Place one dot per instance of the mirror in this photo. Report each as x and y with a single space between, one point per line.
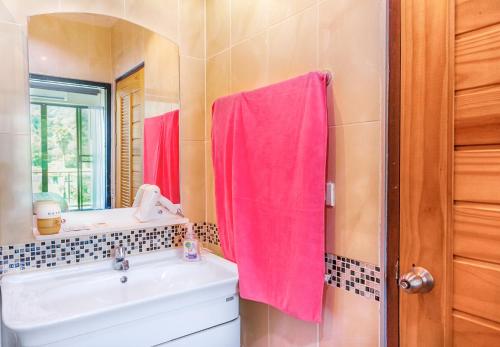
104 107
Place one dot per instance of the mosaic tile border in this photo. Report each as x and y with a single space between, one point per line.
355 276
212 235
83 249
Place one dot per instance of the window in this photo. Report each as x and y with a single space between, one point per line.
70 142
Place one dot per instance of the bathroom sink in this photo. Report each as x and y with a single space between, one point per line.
159 299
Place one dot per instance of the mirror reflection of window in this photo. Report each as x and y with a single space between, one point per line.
104 98
69 142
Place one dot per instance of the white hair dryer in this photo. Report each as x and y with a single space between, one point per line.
151 204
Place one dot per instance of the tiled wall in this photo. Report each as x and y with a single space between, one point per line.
251 43
59 46
181 22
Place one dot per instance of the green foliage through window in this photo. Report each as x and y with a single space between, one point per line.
64 147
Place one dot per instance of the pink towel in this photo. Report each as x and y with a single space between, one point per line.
161 154
269 156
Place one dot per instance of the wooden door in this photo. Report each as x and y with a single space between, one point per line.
129 142
450 171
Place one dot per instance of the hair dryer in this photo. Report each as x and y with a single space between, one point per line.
151 204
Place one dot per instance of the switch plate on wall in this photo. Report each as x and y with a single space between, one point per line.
330 194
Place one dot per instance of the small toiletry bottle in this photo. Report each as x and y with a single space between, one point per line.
191 245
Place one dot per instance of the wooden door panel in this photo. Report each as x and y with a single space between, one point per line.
450 185
470 331
136 131
477 58
477 116
425 167
476 14
137 163
138 112
477 231
476 288
138 98
137 147
477 175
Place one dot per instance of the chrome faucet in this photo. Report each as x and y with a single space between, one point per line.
119 261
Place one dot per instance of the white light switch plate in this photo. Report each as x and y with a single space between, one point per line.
330 194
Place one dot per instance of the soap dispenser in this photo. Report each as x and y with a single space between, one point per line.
191 245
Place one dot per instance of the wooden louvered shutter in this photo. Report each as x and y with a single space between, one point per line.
129 122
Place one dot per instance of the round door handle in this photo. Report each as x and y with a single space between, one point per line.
417 281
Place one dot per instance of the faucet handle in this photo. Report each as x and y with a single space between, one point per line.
120 252
125 265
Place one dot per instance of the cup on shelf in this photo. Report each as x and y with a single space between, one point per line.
48 217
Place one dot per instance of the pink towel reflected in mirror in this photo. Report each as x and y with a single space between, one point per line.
161 154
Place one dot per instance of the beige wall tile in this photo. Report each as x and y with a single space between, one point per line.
128 46
117 49
161 74
113 8
15 156
281 9
210 184
349 320
192 170
217 37
14 114
66 48
292 57
192 100
286 331
254 324
192 28
157 105
157 15
73 57
249 64
214 249
248 17
352 46
217 85
354 164
15 195
22 9
100 64
5 15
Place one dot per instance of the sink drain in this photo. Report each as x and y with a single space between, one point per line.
123 279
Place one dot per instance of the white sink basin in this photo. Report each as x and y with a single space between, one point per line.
164 298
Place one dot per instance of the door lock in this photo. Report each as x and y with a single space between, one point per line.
417 281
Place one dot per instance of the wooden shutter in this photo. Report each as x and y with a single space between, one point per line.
129 123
